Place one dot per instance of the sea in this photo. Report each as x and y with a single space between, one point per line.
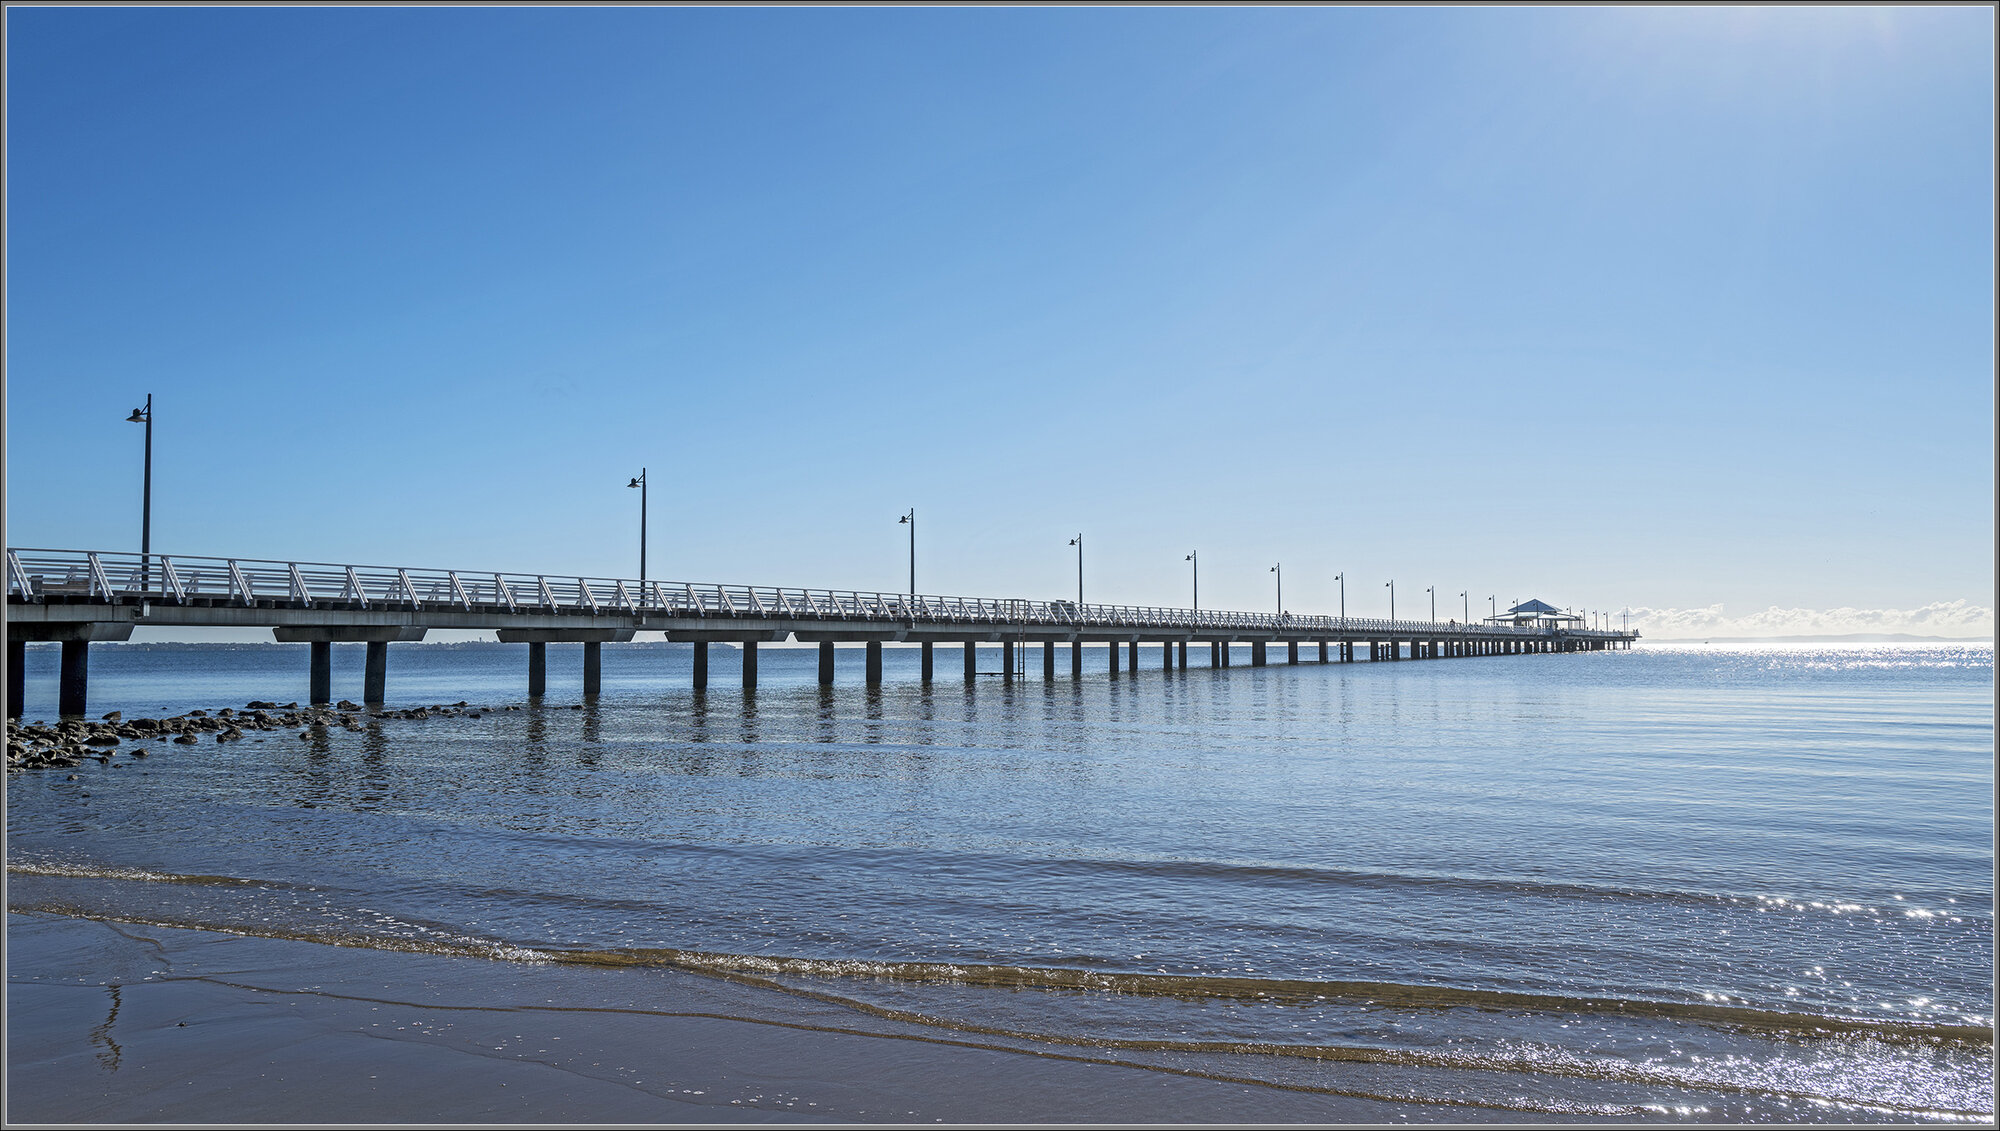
1707 883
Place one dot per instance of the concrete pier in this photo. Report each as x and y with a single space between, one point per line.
1006 659
1076 659
928 658
75 687
826 663
375 674
971 661
538 669
1182 649
1167 656
1256 653
321 689
17 680
749 665
875 662
1291 651
1114 657
593 669
701 665
1048 661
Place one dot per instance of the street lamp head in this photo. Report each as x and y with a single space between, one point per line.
1189 558
1076 541
138 416
634 483
902 520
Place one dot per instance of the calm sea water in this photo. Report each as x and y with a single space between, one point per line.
1714 883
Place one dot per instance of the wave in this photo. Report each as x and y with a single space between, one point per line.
767 972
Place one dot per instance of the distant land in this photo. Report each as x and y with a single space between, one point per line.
1849 638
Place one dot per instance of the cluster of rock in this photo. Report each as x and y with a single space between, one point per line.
38 745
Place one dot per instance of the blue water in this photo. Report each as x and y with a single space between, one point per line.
1723 883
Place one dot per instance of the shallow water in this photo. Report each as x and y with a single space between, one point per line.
1721 883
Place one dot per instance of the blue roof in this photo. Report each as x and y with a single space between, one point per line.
1534 606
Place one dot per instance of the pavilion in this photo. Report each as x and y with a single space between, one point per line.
1535 613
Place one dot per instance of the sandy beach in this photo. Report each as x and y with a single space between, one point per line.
113 1023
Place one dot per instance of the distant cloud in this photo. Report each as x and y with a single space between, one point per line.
1945 618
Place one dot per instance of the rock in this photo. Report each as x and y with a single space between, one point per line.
113 716
259 705
348 705
186 740
101 740
196 715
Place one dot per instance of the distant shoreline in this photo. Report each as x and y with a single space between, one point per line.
1851 638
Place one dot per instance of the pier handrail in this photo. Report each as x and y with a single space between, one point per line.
118 577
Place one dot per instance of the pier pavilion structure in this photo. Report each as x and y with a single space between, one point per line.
78 597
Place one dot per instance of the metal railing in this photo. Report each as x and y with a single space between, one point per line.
88 576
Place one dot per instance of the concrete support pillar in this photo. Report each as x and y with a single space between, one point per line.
1076 659
1291 651
929 659
1214 654
1167 656
1048 661
17 680
593 668
971 660
1225 652
1006 659
75 677
1132 656
749 664
1256 653
538 668
826 663
874 663
320 683
375 673
1322 651
701 665
1181 649
1113 661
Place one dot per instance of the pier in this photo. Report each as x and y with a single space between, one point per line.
79 597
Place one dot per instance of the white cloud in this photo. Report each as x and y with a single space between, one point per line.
1944 618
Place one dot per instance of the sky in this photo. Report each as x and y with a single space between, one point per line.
1679 310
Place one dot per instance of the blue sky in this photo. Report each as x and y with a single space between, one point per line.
1671 308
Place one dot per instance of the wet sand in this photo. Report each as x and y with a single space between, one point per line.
124 1023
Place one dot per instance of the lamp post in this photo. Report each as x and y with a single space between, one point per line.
640 483
1279 569
1392 599
1195 557
1342 578
1467 602
1078 543
911 519
1433 591
1493 605
145 416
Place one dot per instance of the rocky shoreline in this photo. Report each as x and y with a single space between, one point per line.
38 745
